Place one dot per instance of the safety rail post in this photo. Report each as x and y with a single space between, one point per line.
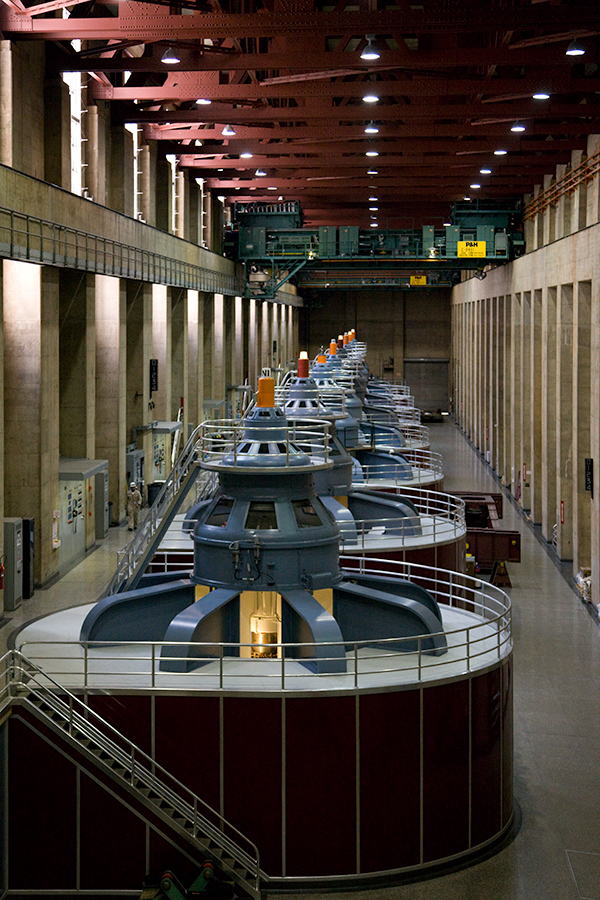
420 670
355 664
153 676
85 663
70 716
468 631
283 667
221 658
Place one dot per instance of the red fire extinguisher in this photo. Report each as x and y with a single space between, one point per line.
2 558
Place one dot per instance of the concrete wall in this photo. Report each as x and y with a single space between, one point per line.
526 383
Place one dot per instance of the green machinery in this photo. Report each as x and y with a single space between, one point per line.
271 240
205 885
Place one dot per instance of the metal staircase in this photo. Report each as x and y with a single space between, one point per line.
25 685
140 550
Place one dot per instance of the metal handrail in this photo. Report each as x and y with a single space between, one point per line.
130 555
221 438
39 240
23 679
426 466
484 636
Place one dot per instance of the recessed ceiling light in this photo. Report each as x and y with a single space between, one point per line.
575 48
500 152
169 57
197 143
219 170
372 172
228 131
374 225
541 95
518 126
373 208
260 173
371 153
271 188
370 98
475 186
447 224
466 198
371 128
373 198
370 51
246 155
202 101
485 171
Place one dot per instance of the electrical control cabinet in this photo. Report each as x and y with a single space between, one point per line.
13 551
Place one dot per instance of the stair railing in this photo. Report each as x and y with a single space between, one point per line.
23 682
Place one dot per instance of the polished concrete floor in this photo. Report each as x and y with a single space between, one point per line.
556 855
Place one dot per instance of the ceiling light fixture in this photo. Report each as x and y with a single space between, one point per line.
202 101
246 155
485 171
371 128
371 153
541 95
228 131
169 57
370 51
575 48
370 98
374 225
372 172
272 187
373 198
475 186
447 224
260 173
466 198
197 143
373 208
500 152
518 126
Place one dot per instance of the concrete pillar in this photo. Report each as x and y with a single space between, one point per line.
192 329
6 104
539 222
111 350
98 139
238 359
138 354
164 195
265 336
1 419
209 352
77 364
595 438
564 422
581 424
499 424
562 208
179 355
31 409
548 343
121 187
579 196
161 350
253 349
57 132
525 460
147 182
535 367
508 397
549 215
516 483
181 205
201 359
593 189
529 226
219 362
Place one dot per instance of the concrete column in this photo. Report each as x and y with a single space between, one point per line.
266 356
200 361
579 196
493 381
161 350
57 132
564 422
525 460
219 362
111 406
508 399
98 138
548 344
562 208
147 182
529 226
181 205
6 104
179 356
253 349
595 438
77 364
164 195
593 189
31 411
209 354
581 424
499 424
138 354
238 360
539 222
516 481
121 187
1 419
192 329
535 367
549 215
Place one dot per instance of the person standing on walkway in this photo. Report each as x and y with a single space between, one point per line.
134 504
